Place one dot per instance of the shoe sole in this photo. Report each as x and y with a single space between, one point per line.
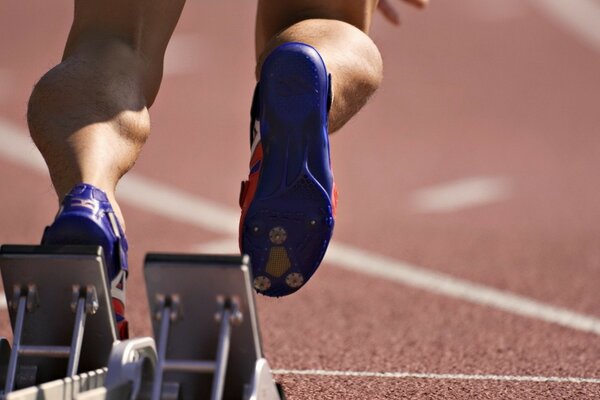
289 223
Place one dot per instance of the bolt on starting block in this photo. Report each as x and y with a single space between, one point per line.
207 342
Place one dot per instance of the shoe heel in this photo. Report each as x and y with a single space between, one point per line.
293 78
294 89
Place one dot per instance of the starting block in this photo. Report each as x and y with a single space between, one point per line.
207 342
60 312
204 321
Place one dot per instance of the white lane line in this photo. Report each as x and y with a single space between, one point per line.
227 245
148 195
185 54
17 147
168 201
373 264
461 194
6 83
364 262
416 375
173 203
581 17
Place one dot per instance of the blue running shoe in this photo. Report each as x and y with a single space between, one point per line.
288 202
87 218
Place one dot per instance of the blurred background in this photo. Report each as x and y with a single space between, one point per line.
478 159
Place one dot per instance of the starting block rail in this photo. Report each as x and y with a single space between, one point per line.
207 342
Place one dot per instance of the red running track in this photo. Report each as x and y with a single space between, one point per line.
496 104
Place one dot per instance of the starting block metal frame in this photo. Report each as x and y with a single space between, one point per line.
60 311
204 321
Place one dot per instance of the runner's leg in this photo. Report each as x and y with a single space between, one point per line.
289 200
89 118
89 114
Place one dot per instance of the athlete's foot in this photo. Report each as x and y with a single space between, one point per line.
86 217
288 203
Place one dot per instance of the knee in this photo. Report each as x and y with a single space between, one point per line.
275 16
101 82
349 53
361 60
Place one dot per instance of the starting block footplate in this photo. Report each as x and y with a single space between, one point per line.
195 286
54 274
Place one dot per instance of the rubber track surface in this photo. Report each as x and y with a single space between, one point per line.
501 92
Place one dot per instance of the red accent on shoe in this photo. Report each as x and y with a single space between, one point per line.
123 330
122 325
248 189
334 199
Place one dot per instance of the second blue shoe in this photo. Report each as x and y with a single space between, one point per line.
289 200
86 217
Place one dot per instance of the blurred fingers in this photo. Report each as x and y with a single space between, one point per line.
389 12
418 3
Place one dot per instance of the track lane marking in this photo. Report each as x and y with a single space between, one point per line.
460 194
6 83
170 202
16 146
178 205
226 245
185 54
373 264
434 376
361 261
140 192
581 17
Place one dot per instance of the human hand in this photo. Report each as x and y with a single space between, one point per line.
390 13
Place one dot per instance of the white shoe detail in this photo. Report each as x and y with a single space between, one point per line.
255 136
114 224
87 203
115 291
